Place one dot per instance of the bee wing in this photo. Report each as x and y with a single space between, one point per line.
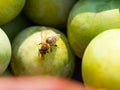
43 37
54 35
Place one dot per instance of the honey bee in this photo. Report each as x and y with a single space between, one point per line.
44 48
47 44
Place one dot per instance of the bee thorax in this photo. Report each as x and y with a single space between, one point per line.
51 40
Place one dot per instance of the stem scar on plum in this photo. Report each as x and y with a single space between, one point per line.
46 47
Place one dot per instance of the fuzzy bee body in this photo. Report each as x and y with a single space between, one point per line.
46 46
44 49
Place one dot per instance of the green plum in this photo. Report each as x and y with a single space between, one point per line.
88 18
52 13
101 61
35 54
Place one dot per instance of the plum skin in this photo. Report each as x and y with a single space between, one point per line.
5 51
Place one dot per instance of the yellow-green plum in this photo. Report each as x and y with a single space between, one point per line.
101 61
5 51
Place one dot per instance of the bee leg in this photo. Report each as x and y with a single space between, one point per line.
38 54
42 56
47 51
55 45
50 49
39 43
